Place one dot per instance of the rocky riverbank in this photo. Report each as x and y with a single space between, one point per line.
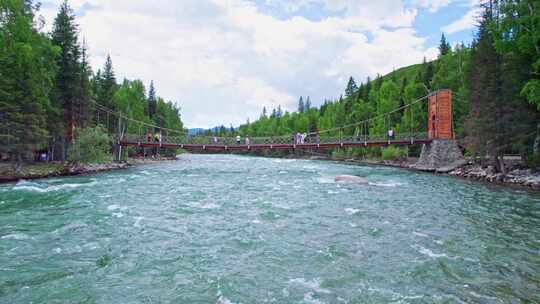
516 175
10 173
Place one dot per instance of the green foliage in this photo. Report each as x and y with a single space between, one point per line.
91 146
152 102
444 46
533 161
517 32
393 153
47 89
531 91
67 94
107 85
27 71
351 87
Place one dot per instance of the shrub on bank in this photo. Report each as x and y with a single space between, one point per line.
91 146
393 153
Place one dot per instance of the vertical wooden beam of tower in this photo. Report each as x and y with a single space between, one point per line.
440 115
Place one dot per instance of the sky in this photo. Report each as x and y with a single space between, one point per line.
222 61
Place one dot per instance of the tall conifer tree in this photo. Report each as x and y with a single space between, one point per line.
108 85
444 46
152 101
67 93
351 87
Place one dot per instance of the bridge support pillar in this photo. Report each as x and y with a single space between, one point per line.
441 155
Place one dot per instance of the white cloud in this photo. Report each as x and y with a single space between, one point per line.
431 5
468 21
223 60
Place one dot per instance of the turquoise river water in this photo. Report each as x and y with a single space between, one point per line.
231 229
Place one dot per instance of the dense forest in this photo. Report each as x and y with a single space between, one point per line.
49 95
495 83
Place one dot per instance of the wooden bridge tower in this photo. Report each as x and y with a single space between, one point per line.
440 124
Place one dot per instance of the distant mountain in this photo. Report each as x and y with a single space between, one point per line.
195 131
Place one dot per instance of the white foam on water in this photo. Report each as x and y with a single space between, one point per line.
283 172
210 206
34 187
314 284
284 160
474 294
138 221
386 184
332 192
71 227
352 211
118 214
222 300
325 180
15 236
119 181
308 298
58 250
420 234
256 221
429 253
116 207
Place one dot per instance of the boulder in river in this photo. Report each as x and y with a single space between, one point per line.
351 179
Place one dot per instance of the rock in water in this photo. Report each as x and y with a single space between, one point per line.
350 179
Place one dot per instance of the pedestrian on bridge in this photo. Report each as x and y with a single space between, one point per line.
248 142
238 139
391 134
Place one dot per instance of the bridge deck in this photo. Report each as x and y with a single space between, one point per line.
278 146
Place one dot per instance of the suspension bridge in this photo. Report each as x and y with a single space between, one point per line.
130 132
439 126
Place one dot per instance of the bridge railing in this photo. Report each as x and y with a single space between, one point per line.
274 140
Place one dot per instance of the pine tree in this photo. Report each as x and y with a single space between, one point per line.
307 105
351 87
107 85
152 101
485 120
301 106
85 107
27 69
367 88
427 73
444 46
68 77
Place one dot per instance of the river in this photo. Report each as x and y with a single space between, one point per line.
232 229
